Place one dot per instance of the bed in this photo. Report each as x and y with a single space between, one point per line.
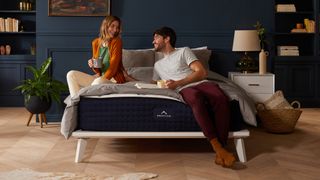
124 111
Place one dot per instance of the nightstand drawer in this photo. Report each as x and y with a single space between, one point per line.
255 84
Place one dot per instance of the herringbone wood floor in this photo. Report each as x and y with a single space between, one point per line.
293 156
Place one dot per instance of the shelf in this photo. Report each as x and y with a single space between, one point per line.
292 34
17 12
21 57
295 58
19 33
295 13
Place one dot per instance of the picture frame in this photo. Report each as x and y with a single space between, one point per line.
78 7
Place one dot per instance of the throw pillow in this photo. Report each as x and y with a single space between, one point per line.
137 58
141 73
277 101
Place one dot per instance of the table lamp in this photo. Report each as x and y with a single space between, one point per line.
245 41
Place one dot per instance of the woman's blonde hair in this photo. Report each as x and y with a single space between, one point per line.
105 25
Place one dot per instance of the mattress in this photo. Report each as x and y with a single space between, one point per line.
142 113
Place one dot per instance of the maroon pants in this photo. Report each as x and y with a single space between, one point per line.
204 97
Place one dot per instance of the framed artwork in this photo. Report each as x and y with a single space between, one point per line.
78 7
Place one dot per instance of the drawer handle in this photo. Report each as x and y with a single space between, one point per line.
254 84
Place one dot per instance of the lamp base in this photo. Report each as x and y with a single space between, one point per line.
247 65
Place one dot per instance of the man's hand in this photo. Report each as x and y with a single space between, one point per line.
171 84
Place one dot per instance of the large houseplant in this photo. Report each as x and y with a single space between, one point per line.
41 89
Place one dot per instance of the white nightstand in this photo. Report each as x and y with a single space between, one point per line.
259 87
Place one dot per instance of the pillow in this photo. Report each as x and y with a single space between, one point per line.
137 58
141 73
203 55
277 101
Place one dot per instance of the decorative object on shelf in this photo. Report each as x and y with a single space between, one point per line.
79 8
310 25
33 49
2 50
25 5
245 41
263 61
263 54
8 49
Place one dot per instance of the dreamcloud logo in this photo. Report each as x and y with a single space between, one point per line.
163 114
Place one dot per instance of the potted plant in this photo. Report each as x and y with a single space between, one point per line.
262 34
41 89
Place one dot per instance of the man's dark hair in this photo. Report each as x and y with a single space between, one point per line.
167 32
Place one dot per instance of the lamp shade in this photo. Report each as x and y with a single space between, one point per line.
246 40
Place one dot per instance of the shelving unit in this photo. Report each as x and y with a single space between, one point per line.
298 76
13 66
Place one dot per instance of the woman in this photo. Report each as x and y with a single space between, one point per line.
107 49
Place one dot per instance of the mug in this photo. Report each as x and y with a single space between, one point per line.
97 63
161 84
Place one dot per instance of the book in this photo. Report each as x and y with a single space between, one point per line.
146 86
295 30
287 48
288 53
285 8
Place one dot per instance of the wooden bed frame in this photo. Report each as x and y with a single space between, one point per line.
83 136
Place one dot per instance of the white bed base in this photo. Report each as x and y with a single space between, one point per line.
83 136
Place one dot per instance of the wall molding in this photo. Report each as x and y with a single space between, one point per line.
139 33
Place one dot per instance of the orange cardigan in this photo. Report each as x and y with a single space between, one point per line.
116 67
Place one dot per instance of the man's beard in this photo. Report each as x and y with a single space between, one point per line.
159 48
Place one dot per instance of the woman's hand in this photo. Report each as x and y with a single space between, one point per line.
90 63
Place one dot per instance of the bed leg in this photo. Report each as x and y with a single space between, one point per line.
241 151
81 147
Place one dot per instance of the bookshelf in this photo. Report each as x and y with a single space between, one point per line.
297 72
13 65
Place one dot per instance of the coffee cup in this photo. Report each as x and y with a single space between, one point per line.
161 84
97 63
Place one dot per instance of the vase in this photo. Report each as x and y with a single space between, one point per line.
263 61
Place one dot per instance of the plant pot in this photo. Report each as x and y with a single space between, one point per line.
36 106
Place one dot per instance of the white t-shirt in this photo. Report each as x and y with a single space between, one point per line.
175 66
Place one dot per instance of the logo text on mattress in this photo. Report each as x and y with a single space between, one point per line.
164 114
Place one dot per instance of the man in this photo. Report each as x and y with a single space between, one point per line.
185 73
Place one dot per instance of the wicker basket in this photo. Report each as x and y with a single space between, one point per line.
280 120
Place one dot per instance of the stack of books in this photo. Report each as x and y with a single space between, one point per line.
295 30
9 25
285 8
288 50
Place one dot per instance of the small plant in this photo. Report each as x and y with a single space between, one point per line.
262 34
42 84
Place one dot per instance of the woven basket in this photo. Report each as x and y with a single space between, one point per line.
280 120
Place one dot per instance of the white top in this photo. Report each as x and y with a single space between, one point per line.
175 66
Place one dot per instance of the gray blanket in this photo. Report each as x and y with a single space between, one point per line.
69 119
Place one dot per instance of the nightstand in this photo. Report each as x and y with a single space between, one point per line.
258 87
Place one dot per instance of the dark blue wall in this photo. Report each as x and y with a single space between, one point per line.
197 23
